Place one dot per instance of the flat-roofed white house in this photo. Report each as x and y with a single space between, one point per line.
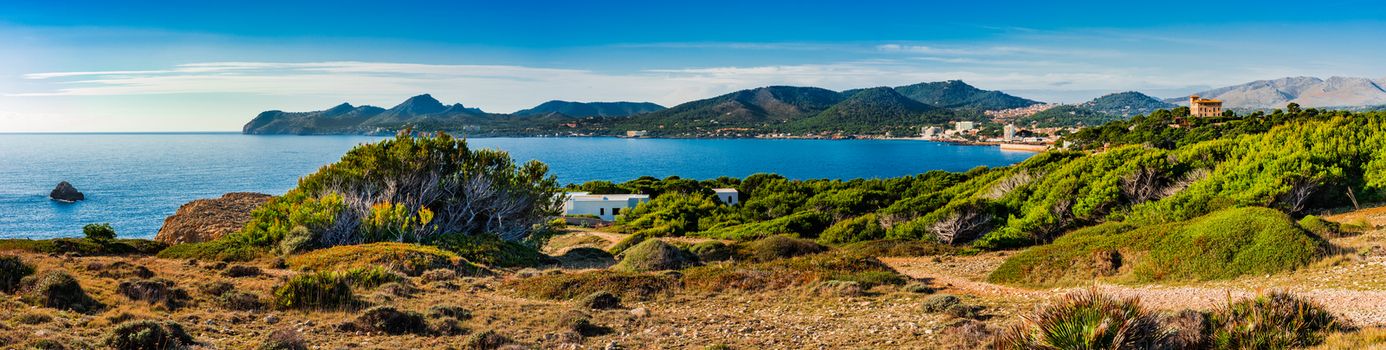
604 206
728 196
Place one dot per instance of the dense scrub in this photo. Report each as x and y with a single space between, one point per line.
84 246
1224 244
410 189
411 259
1149 174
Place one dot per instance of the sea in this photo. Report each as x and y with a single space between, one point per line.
135 180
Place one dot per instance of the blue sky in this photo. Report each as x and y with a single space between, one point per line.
195 66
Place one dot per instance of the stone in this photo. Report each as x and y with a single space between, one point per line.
204 220
66 193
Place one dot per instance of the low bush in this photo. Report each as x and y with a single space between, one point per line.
57 289
215 288
1224 244
792 272
120 270
710 251
586 257
918 288
655 255
154 291
938 303
371 277
778 247
241 301
858 229
322 290
12 270
628 242
601 300
237 271
397 289
897 247
1271 321
570 286
1087 320
410 259
388 320
448 326
490 250
149 335
99 232
283 339
84 247
835 288
581 323
448 310
486 340
219 250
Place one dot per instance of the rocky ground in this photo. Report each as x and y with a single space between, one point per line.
1352 285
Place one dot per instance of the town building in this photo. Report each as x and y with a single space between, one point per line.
728 196
637 133
929 132
1008 132
604 206
965 126
1204 107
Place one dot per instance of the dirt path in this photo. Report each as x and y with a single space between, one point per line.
967 276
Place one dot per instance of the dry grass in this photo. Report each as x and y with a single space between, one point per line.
410 259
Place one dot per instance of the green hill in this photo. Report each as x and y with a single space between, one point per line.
759 107
590 109
1067 115
1126 104
874 110
957 94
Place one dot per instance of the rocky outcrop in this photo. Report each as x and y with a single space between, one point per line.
208 219
66 193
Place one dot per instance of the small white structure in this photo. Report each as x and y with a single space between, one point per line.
965 126
1010 132
728 196
604 206
637 133
929 132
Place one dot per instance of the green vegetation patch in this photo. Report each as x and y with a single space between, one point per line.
1271 321
12 271
792 272
629 286
1224 244
410 259
897 247
218 250
84 246
322 290
655 255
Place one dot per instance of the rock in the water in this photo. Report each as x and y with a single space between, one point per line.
65 192
208 219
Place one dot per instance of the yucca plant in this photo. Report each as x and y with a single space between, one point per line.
1270 321
1087 320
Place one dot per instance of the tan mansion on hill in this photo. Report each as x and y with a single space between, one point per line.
1204 107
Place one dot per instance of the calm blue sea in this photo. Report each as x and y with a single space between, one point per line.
134 181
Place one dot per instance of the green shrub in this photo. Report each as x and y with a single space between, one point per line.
1271 321
897 247
99 232
802 224
675 213
371 277
449 310
1087 320
322 290
709 251
579 322
1224 244
655 255
486 340
792 272
57 289
630 241
410 259
601 300
388 320
490 250
779 247
149 335
938 303
861 228
1319 226
570 286
12 270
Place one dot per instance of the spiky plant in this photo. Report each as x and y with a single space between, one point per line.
1087 320
1269 321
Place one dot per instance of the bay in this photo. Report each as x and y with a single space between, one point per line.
134 181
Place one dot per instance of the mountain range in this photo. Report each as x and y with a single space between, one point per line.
1305 91
1121 105
765 109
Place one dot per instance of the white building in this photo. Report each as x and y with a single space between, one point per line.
965 126
728 196
637 133
1010 132
929 132
604 206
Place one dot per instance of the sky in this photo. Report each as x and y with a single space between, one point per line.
107 66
